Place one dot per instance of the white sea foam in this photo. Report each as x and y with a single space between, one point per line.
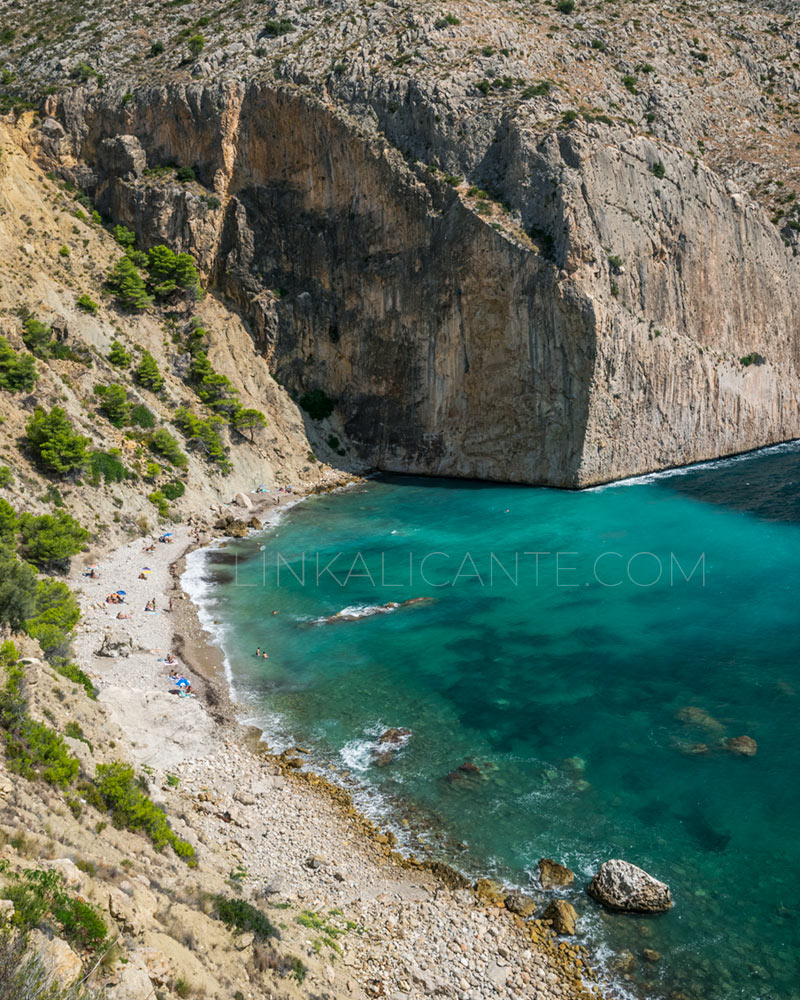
786 447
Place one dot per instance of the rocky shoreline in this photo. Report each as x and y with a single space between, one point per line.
291 834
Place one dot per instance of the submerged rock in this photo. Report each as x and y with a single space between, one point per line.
619 885
552 874
389 742
742 746
562 916
691 715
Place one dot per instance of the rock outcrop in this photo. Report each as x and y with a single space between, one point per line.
619 885
595 332
552 874
562 916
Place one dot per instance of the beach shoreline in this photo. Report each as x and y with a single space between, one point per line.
315 848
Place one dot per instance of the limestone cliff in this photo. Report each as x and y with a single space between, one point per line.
453 345
489 283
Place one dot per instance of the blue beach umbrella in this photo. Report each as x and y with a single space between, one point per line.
123 592
182 682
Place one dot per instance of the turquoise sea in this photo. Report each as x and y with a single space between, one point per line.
660 614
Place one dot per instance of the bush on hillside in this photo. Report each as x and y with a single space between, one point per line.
317 404
55 617
164 444
50 540
128 286
118 356
17 369
148 374
119 792
17 590
55 444
114 403
106 466
204 436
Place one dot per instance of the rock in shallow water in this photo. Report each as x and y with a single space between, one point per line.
619 885
742 746
562 916
552 874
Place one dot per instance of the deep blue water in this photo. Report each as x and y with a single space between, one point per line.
568 689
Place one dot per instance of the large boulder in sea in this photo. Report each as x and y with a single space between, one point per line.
552 874
562 916
621 886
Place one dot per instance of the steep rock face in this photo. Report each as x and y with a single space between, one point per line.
452 346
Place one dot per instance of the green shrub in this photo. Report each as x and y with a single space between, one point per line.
87 305
33 750
170 272
156 49
49 540
118 356
173 489
566 6
274 29
317 404
658 169
629 82
124 236
82 72
140 416
74 673
147 373
119 792
203 435
184 174
55 616
196 45
17 590
9 524
164 444
106 466
213 388
114 403
128 285
239 915
55 445
752 359
159 501
17 370
6 477
37 337
40 897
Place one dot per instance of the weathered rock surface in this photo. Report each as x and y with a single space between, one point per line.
116 643
619 885
453 346
562 916
552 874
60 962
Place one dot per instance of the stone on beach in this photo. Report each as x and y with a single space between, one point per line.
115 643
621 886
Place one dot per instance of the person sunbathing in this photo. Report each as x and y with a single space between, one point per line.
121 614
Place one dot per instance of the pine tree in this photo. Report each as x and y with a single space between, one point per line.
114 405
118 355
54 442
128 285
147 373
248 419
